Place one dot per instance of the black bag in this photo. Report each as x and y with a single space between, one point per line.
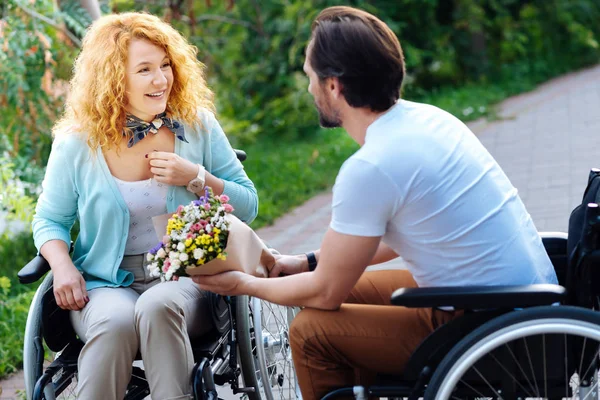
583 278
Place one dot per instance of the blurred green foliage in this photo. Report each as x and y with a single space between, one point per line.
13 315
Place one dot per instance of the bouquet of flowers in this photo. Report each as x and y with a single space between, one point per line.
195 235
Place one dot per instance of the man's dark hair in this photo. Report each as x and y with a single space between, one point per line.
362 52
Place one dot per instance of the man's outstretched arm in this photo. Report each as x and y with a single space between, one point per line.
342 260
290 265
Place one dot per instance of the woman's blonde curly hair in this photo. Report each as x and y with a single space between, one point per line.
96 102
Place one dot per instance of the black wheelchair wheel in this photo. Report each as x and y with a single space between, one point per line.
59 377
549 352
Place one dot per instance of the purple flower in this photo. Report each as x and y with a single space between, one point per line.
155 249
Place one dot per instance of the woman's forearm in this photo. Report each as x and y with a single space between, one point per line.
56 252
217 185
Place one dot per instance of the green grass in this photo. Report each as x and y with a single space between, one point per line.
287 174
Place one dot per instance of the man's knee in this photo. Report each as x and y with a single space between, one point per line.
305 326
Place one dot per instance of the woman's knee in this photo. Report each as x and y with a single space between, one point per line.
153 306
116 328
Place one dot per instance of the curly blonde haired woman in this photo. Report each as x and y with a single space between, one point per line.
137 140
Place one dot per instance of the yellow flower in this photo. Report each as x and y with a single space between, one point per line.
211 248
221 256
201 261
216 231
188 242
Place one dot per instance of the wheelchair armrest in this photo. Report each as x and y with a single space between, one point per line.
240 154
480 297
34 270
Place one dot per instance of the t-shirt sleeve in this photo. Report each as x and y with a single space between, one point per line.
364 199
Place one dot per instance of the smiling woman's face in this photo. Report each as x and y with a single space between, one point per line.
149 79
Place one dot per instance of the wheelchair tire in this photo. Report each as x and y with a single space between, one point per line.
496 360
33 348
245 354
269 365
61 378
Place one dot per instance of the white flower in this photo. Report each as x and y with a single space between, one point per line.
208 228
173 255
149 257
198 254
161 253
183 257
181 246
154 270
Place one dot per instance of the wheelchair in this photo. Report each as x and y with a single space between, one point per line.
512 342
250 340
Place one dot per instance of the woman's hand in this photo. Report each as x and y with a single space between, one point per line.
69 288
289 265
172 169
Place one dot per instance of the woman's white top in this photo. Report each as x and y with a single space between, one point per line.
145 199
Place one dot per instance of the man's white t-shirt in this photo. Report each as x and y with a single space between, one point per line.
425 183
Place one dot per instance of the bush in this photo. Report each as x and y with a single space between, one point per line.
13 316
15 252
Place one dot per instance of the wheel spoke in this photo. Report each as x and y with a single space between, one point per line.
486 382
510 374
537 390
273 356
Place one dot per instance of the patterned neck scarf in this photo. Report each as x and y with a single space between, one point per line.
140 129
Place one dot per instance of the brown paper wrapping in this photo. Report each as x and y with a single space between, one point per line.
245 251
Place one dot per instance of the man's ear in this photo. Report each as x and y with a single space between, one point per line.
335 87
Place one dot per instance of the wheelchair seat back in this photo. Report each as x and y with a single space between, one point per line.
56 324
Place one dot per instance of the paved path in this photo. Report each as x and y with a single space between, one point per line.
546 141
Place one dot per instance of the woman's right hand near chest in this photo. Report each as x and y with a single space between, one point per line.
69 286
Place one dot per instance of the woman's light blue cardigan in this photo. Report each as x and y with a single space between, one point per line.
79 185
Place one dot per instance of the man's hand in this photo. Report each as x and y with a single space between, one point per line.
232 283
69 288
289 265
171 169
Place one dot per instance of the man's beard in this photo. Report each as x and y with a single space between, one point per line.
327 121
